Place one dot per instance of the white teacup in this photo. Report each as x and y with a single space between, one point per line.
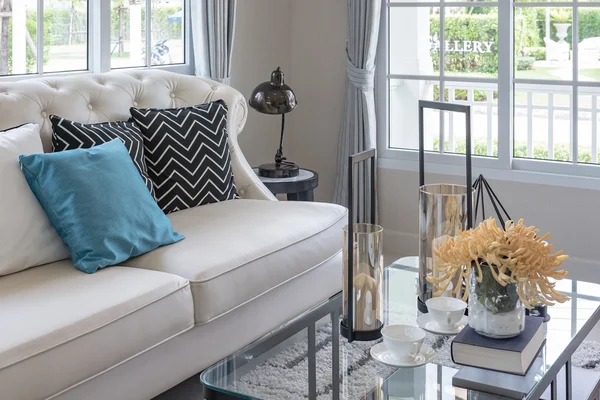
403 341
446 311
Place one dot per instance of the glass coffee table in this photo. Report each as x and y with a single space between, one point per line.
307 358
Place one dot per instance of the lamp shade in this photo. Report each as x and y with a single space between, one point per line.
273 97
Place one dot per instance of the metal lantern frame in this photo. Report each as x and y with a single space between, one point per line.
436 105
347 324
459 108
481 186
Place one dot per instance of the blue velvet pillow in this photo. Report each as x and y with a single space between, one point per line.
98 203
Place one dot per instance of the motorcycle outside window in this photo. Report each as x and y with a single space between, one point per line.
130 36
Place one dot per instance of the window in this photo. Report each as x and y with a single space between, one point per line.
530 70
147 32
50 38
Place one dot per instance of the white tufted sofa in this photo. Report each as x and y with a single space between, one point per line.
108 97
133 331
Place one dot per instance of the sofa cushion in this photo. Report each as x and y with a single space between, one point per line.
24 224
98 203
70 135
187 153
237 250
61 326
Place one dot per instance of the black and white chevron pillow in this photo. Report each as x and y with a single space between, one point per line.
69 135
187 153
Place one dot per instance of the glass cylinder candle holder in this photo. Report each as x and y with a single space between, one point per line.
442 213
363 300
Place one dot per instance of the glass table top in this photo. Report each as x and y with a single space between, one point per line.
278 366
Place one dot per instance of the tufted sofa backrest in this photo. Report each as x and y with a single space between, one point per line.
90 98
106 97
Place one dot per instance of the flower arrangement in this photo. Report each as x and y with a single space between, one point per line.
514 255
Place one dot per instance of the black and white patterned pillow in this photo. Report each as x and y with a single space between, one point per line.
69 135
187 154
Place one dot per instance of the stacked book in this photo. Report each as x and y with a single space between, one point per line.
513 357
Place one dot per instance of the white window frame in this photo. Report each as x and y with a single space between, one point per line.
505 166
99 44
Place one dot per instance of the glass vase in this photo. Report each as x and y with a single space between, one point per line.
495 311
367 273
442 213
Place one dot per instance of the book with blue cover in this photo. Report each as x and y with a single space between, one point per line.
513 355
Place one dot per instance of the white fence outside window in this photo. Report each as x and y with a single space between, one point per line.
538 115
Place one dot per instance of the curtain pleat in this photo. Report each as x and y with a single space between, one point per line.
358 128
213 28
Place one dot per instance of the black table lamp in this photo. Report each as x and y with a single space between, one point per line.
275 97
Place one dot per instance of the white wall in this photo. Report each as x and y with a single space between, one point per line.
572 216
318 76
307 38
262 43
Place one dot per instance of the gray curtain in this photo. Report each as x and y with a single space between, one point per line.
358 130
213 26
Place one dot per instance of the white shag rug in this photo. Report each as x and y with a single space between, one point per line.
284 375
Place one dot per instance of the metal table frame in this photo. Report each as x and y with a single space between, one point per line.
333 307
564 360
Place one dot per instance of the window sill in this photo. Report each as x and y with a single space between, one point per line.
397 160
185 69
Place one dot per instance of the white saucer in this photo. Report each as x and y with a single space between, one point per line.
425 321
381 354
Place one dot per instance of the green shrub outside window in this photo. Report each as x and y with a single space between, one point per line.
482 27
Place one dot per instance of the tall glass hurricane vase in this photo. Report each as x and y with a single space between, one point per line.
442 213
367 273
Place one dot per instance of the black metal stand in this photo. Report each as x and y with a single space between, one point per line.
421 306
347 325
479 186
363 336
436 105
539 311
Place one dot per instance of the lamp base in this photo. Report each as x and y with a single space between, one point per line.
283 170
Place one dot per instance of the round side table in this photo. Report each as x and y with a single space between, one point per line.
298 188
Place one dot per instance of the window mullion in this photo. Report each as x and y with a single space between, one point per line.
575 95
99 36
148 33
442 86
40 37
505 83
187 35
